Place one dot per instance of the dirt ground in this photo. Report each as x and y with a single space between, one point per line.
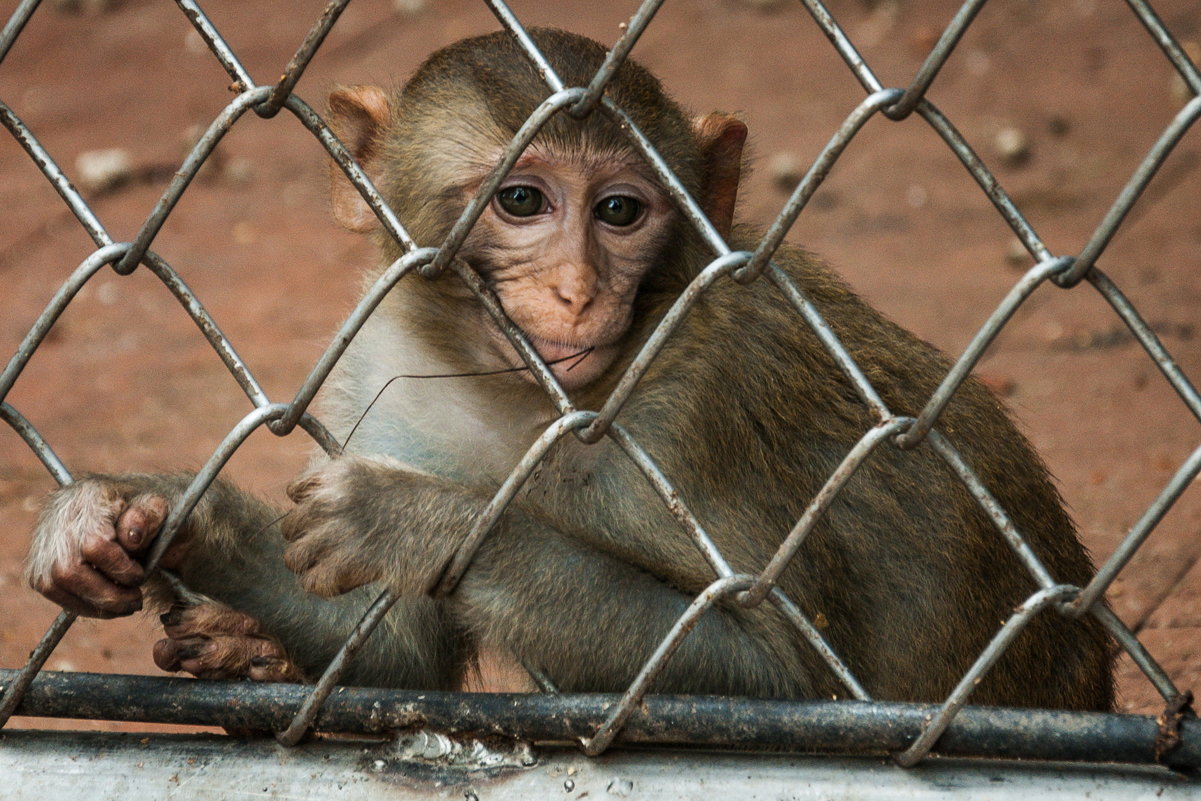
126 382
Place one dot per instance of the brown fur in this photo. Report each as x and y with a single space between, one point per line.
744 411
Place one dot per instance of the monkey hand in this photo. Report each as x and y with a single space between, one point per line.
363 519
213 641
86 545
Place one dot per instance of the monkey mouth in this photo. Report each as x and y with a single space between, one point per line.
573 364
556 353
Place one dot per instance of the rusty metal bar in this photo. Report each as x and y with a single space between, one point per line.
216 45
955 702
16 23
325 685
599 742
774 236
616 57
815 726
951 728
18 684
304 54
937 56
55 176
1131 192
1024 288
509 20
33 438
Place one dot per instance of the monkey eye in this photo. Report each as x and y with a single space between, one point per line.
521 201
619 210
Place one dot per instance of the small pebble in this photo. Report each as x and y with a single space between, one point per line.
1016 254
410 7
785 171
88 6
102 170
194 43
1012 146
239 170
1001 385
1058 125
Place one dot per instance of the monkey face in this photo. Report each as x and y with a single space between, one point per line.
565 243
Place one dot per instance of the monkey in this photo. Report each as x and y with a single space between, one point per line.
743 410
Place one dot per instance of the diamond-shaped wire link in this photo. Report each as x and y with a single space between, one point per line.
727 587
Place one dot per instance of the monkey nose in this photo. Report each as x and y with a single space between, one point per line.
574 302
575 293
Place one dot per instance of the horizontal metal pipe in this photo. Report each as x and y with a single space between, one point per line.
849 727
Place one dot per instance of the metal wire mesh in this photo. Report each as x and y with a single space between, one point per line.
590 426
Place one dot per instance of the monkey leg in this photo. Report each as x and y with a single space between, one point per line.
213 641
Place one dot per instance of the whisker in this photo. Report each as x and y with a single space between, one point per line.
574 358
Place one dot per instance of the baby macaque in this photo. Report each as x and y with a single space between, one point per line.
743 410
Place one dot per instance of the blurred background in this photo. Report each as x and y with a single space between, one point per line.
1061 100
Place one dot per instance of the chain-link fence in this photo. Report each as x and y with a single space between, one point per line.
909 731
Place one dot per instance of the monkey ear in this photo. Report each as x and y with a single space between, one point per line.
357 115
721 137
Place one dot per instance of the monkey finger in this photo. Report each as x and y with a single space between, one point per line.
302 486
138 525
266 660
112 561
208 620
327 579
275 669
302 555
89 593
293 527
226 657
199 656
166 655
320 582
186 653
303 521
78 606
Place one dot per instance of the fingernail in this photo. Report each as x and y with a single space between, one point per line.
260 661
171 618
135 536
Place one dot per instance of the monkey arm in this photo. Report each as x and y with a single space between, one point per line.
531 588
90 534
235 556
545 596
